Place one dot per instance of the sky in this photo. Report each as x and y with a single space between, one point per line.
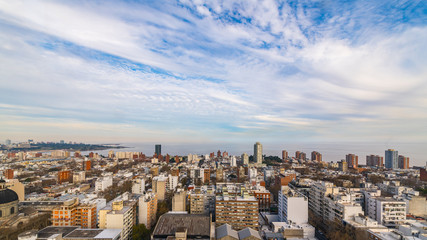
214 72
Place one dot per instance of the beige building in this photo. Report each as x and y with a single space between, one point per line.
147 209
258 153
118 217
159 187
17 187
238 211
179 201
245 159
417 206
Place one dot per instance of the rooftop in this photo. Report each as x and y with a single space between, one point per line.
198 226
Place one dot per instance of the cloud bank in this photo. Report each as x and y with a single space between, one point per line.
214 71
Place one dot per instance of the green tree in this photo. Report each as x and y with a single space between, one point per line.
140 231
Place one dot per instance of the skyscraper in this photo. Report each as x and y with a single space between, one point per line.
391 159
258 153
158 150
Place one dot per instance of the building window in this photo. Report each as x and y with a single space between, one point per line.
12 210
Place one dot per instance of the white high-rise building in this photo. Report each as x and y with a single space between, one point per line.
138 186
172 182
293 206
233 161
258 153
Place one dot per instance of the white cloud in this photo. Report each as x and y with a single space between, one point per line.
211 74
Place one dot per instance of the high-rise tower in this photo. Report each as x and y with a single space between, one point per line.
258 153
158 149
391 159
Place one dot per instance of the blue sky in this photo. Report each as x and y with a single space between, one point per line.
214 71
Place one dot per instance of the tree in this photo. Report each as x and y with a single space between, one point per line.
140 231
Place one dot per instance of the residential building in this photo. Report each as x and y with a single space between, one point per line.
159 187
202 202
64 176
264 199
391 159
245 159
147 209
240 211
117 216
258 153
403 162
316 156
374 161
387 211
8 174
292 206
72 213
285 155
343 166
179 201
138 185
352 160
103 183
79 177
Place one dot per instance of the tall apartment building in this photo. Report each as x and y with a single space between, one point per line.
245 159
292 206
391 159
172 182
284 155
331 203
179 201
8 173
71 213
317 196
343 166
159 187
87 165
240 211
147 209
264 199
79 176
117 216
65 176
258 153
374 161
202 203
316 156
387 211
403 162
300 155
138 185
352 160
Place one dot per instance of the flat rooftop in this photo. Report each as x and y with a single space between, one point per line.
198 226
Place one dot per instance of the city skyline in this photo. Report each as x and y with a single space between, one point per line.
228 73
